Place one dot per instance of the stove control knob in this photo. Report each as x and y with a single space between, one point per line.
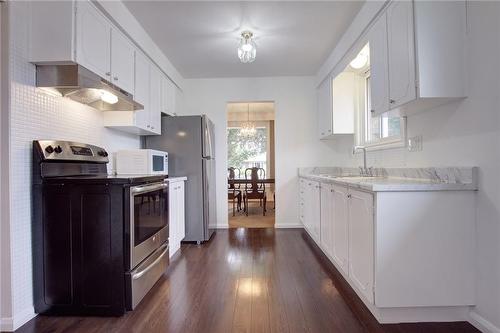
58 150
102 153
49 149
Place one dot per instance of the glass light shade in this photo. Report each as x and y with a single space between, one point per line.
361 59
247 49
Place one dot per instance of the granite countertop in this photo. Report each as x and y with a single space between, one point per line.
397 179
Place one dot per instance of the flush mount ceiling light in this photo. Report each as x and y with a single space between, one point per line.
247 50
361 59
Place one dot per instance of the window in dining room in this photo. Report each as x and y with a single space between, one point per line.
250 157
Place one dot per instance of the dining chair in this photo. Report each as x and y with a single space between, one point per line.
233 190
255 189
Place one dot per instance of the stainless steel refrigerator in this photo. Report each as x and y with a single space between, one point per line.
189 141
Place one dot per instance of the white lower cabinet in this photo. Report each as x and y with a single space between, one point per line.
410 251
312 209
360 213
177 225
340 228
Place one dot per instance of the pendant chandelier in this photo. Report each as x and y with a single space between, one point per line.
247 50
248 129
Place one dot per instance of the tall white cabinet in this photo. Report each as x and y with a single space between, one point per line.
177 226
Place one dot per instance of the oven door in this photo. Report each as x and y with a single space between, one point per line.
148 220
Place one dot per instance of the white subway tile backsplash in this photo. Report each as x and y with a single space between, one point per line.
36 115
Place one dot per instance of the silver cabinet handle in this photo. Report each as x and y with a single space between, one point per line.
392 101
108 73
147 188
115 78
152 127
149 126
145 270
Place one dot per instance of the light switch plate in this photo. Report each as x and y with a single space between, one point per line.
415 143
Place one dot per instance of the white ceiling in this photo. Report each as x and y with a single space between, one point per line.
201 38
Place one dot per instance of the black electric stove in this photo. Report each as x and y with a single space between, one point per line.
81 229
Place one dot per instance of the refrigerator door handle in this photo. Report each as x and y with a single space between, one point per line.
208 148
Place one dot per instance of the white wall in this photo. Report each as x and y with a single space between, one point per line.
296 143
465 133
35 115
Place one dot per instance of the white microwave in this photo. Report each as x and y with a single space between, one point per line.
142 161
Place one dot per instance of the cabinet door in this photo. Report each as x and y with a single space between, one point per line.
155 99
401 53
181 213
379 71
122 61
142 90
306 217
343 103
326 216
168 96
315 207
340 228
302 194
325 120
361 242
93 40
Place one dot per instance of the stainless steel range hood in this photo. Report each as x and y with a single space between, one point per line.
80 84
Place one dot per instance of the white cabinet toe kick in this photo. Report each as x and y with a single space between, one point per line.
409 256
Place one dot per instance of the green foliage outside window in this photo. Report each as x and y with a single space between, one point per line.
241 148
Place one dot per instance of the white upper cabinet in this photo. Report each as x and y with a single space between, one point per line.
155 96
401 53
336 105
147 88
69 32
417 55
325 108
379 71
344 103
142 90
122 61
93 39
168 101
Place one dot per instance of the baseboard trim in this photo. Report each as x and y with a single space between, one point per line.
222 226
482 324
289 226
10 324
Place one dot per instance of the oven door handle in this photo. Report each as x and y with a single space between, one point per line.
148 188
139 274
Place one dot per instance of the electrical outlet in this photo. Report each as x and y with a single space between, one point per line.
415 143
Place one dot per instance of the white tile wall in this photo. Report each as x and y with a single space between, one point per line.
36 115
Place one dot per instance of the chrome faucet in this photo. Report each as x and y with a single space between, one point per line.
364 171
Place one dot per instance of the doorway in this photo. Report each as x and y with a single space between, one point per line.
251 164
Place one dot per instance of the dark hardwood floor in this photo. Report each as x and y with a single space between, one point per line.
246 280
